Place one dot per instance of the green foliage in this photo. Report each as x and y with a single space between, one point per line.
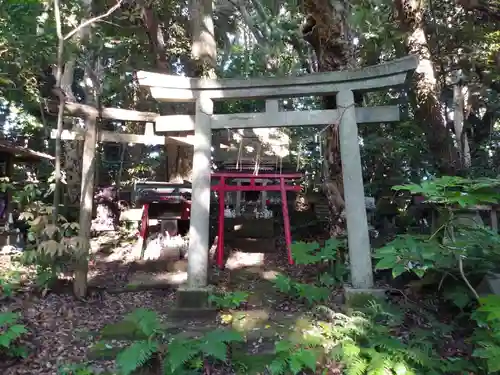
10 332
313 253
52 248
459 248
308 292
75 369
413 253
6 289
452 190
305 253
228 300
143 330
184 352
364 343
487 335
294 359
147 341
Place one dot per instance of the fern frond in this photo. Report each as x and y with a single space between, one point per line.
180 352
350 351
223 335
135 356
378 365
278 366
357 366
146 320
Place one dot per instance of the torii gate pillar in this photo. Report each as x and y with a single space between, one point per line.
200 202
355 208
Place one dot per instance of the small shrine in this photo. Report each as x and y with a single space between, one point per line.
11 154
252 151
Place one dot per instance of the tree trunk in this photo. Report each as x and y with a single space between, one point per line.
410 14
173 153
92 91
327 31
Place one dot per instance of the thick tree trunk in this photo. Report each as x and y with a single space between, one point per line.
410 14
327 31
177 161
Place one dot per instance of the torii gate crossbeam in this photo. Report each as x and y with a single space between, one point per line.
343 84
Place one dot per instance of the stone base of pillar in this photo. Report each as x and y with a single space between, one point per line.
359 297
193 303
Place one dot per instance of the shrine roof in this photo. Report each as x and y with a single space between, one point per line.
22 153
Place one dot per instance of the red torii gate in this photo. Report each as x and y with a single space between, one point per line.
221 188
282 187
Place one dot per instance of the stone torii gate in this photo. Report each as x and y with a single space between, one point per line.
343 84
117 114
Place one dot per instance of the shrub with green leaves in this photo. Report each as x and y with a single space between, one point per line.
459 248
228 300
486 336
10 332
148 344
303 291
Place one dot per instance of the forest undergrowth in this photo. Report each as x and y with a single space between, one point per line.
280 319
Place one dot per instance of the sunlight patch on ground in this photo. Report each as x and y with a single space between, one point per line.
239 259
270 275
167 279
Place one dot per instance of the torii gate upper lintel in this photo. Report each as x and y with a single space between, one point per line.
205 91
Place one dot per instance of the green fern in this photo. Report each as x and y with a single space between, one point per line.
181 351
136 356
293 358
147 321
356 366
143 329
365 344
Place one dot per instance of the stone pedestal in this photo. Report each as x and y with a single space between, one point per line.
193 303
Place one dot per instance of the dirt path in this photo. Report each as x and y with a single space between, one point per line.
60 327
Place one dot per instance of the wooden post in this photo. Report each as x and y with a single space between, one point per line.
200 203
357 222
220 232
263 196
237 207
86 203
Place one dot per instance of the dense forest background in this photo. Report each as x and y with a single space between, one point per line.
457 43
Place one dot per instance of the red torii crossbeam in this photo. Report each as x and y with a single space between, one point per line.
282 187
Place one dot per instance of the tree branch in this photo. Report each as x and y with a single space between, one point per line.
93 20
